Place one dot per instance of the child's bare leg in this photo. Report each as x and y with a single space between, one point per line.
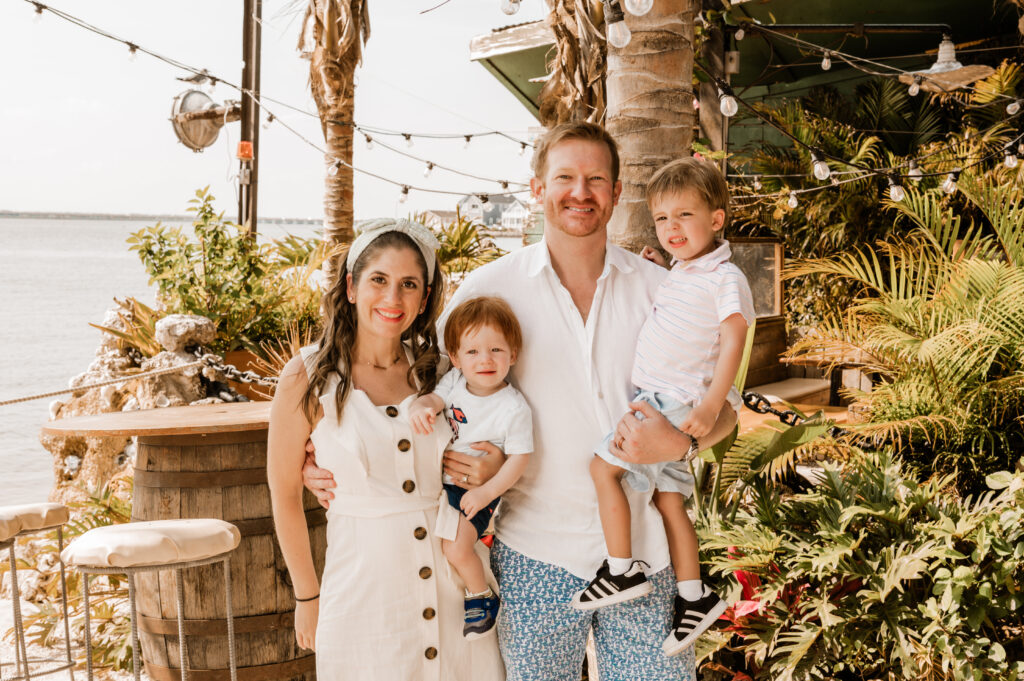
613 507
682 538
463 558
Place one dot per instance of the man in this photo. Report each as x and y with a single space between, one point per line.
581 302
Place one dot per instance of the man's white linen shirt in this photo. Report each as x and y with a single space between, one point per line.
576 379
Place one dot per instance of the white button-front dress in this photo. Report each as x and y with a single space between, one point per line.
391 608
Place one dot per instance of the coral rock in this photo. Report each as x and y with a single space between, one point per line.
179 331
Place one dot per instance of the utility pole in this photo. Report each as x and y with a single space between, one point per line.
248 171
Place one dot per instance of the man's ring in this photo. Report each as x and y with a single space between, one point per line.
465 478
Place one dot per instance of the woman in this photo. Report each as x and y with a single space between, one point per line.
389 608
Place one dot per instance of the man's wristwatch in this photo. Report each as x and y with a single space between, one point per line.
692 451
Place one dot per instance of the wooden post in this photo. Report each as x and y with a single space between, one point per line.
248 172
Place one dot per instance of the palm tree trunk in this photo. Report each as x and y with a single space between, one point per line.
650 109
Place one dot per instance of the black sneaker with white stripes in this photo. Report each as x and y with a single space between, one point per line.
690 619
609 589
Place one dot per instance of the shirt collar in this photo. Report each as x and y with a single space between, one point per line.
540 260
709 261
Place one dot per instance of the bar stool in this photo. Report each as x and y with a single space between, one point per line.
155 545
18 521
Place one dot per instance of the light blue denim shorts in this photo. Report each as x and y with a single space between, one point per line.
670 476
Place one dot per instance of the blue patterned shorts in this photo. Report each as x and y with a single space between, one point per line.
543 638
667 476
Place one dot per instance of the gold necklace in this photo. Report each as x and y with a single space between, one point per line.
395 361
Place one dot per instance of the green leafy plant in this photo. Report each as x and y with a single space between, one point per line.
463 248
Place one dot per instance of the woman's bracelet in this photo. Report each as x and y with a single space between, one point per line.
306 600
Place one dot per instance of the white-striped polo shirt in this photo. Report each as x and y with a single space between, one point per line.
679 345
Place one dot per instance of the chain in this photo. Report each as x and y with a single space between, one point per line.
232 372
762 405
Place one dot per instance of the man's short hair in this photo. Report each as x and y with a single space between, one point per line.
589 132
471 314
702 176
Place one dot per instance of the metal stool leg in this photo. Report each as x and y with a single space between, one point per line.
19 627
231 620
179 591
136 648
88 629
64 599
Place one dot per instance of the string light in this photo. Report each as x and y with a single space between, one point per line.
408 139
333 169
914 173
638 8
510 7
522 148
484 198
38 18
426 171
896 191
792 203
504 184
369 141
949 186
727 104
826 61
270 119
696 103
757 183
821 170
133 52
1013 108
1009 158
615 25
469 138
740 33
404 196
915 87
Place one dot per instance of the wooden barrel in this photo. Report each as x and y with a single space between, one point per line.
210 462
221 475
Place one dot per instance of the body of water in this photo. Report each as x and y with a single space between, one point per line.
56 276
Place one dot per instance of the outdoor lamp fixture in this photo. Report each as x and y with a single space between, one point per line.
914 172
727 103
821 170
896 191
949 186
617 32
946 73
1009 158
638 8
510 7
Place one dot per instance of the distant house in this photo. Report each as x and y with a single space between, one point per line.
436 219
493 212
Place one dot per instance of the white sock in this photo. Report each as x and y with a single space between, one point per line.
618 566
483 594
690 589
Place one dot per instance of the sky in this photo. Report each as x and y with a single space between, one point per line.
83 128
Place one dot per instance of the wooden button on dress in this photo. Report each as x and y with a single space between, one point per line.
391 411
430 652
428 614
420 532
408 486
403 445
425 572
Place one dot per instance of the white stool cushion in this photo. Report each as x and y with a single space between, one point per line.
154 542
10 525
36 516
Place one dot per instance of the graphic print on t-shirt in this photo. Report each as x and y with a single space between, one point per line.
458 416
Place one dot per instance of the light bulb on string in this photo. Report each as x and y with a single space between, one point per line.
727 104
757 183
638 8
1020 149
522 148
404 196
38 18
369 141
332 169
268 121
826 61
740 33
469 138
915 87
209 85
408 139
504 184
484 198
914 172
510 7
1009 158
696 103
426 171
133 52
949 186
896 191
792 203
615 25
821 170
1013 108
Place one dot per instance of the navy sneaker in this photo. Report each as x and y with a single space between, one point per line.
481 614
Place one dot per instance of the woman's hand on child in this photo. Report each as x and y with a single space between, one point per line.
306 615
317 480
653 255
699 421
422 420
474 501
